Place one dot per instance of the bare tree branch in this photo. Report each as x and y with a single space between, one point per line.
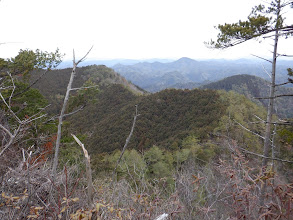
68 114
249 130
262 58
284 55
83 58
274 123
262 156
126 143
273 97
282 84
12 137
9 108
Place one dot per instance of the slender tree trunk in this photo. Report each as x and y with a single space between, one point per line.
267 142
69 86
125 145
267 136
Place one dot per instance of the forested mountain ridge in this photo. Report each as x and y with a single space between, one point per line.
165 118
115 151
255 87
180 136
171 120
53 84
149 75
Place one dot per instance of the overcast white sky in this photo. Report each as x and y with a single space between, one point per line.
132 29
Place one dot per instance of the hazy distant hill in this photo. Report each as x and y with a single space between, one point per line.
149 75
111 62
252 86
162 82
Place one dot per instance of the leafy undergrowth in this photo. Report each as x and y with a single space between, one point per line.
226 188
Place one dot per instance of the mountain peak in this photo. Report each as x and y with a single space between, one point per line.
186 59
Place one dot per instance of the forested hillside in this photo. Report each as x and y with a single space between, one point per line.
165 118
187 148
53 85
152 138
254 87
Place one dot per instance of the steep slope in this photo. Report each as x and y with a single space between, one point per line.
252 86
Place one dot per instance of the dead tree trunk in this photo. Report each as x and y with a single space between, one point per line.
90 188
69 87
125 145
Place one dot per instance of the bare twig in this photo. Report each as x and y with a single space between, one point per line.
65 115
12 137
285 55
9 108
282 84
249 130
262 156
83 58
269 75
262 58
274 123
273 97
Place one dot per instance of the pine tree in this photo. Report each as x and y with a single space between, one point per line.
263 22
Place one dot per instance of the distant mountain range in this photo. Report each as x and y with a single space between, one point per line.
111 62
187 73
